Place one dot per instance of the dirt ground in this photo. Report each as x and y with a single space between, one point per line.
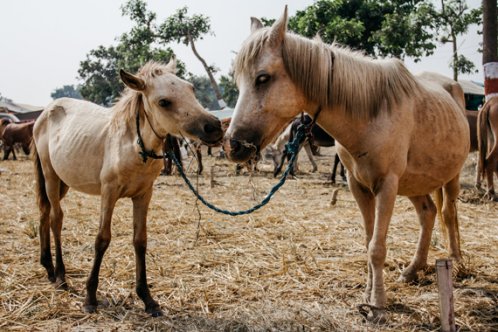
298 264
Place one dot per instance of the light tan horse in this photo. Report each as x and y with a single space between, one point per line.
95 150
397 134
487 133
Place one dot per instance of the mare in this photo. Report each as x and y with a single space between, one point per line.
397 134
488 143
16 133
118 146
316 137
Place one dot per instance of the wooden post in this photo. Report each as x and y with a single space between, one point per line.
445 287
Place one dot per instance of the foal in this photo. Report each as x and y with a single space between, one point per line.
117 146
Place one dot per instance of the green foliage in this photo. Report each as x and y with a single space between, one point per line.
452 20
204 91
388 27
66 91
179 26
100 70
464 65
455 17
229 89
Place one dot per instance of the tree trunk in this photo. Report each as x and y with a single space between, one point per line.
489 32
219 97
490 49
455 56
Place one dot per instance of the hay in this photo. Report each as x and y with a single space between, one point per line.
298 264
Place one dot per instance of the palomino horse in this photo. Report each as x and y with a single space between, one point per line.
488 143
16 133
396 134
116 164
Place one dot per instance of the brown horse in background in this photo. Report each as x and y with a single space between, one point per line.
488 143
16 133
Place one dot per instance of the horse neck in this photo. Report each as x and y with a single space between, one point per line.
126 119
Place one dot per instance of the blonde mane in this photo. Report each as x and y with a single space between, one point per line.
335 76
130 101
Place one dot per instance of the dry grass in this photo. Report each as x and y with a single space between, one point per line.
298 264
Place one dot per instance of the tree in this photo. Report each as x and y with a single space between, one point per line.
388 27
100 70
229 89
453 20
66 91
204 91
179 28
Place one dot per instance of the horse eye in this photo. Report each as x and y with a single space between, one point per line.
262 79
164 103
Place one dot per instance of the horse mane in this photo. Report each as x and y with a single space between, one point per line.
333 75
131 100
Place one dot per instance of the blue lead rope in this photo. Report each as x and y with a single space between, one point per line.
291 148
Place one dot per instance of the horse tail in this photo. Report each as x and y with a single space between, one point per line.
482 138
41 192
438 200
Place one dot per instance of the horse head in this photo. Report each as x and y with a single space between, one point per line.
268 98
170 105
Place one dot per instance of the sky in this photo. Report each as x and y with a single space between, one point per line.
43 41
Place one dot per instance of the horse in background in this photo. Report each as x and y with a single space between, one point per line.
112 153
13 134
397 134
487 130
315 138
171 143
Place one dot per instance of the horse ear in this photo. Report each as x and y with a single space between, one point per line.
278 30
171 66
255 24
132 81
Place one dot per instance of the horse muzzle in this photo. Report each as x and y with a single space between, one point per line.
239 151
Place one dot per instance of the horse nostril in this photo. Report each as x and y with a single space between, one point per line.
209 128
235 145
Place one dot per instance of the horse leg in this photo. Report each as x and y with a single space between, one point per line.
6 151
200 167
366 203
55 189
278 169
25 149
140 207
334 168
102 240
44 228
385 198
426 212
309 153
450 217
343 169
491 167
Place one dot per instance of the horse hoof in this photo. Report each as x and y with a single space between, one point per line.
61 284
89 308
408 277
51 278
154 311
373 314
